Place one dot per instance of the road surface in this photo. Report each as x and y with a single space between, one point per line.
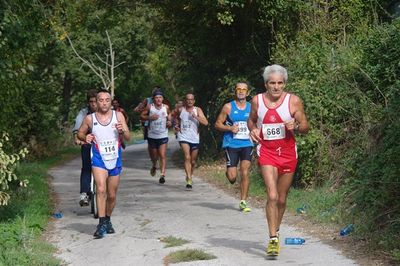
147 211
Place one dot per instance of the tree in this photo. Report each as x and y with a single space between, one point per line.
106 73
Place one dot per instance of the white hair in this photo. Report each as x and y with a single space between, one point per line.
268 70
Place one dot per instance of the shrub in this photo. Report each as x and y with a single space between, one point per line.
8 163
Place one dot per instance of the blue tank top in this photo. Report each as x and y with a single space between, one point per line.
237 117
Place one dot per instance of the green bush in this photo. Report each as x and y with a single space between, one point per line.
8 163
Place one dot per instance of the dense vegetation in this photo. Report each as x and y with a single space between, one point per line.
342 58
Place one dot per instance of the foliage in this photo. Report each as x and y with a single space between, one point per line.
27 75
24 219
373 190
8 162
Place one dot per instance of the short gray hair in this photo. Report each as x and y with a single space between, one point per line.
268 70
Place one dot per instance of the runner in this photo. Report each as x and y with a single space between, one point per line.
117 107
145 124
159 117
232 120
189 119
141 107
174 113
106 126
275 117
86 170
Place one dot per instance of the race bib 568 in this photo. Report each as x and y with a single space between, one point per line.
273 131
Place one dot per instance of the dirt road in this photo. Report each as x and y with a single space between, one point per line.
147 211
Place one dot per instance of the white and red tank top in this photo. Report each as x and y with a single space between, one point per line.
273 132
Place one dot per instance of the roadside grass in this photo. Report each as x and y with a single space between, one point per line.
23 223
320 204
187 255
171 241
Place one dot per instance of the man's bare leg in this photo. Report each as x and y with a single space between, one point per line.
270 175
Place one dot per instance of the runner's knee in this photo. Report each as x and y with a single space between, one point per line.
101 190
272 197
282 200
111 197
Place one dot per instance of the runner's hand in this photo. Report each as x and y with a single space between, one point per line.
290 124
234 129
119 127
89 138
77 141
255 135
153 117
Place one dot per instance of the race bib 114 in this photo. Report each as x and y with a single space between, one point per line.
108 149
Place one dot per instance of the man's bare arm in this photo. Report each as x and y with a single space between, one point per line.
201 117
84 129
300 117
252 121
122 127
219 123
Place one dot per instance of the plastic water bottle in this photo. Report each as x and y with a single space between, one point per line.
300 210
58 215
294 241
347 230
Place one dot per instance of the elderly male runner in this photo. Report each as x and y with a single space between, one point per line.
158 115
189 118
106 127
232 120
275 117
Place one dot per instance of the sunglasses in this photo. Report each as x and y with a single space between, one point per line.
241 90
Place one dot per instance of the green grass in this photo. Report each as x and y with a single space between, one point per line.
171 241
187 255
23 222
320 204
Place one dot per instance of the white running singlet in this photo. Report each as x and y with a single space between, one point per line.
106 140
158 128
189 127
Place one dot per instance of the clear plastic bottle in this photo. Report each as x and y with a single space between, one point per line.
294 241
347 230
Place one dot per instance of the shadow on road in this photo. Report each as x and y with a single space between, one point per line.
250 247
215 206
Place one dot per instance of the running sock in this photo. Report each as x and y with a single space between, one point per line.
273 238
108 218
102 220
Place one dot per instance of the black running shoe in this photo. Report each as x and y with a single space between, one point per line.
162 179
101 231
110 228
